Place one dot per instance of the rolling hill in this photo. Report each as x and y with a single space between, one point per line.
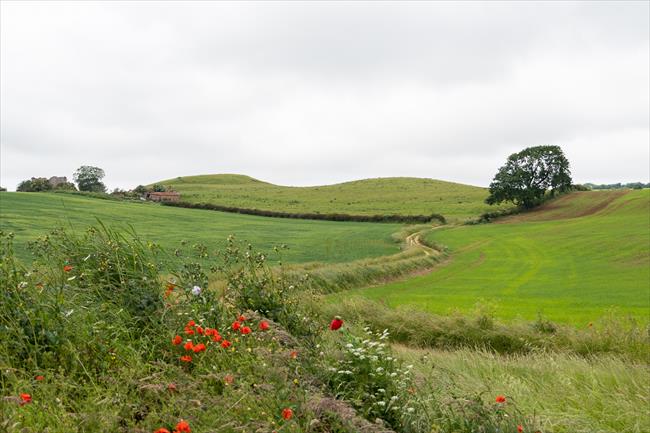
381 196
572 260
29 215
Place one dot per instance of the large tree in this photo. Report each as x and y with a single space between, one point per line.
89 178
528 175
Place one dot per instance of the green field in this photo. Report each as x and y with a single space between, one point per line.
572 260
397 195
29 215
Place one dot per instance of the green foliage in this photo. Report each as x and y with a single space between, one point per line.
156 187
528 174
35 184
384 196
363 371
140 189
251 285
65 186
631 185
480 329
2 189
404 219
89 178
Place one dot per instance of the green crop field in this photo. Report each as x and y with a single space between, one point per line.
399 195
572 260
29 215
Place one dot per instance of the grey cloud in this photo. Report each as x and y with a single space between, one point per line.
306 93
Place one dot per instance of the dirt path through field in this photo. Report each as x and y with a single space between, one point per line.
414 240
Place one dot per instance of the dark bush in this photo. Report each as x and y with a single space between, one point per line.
403 219
35 184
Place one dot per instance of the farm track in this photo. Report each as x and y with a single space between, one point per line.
415 240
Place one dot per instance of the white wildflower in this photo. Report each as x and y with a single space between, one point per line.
196 290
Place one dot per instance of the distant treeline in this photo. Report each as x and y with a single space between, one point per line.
632 185
404 219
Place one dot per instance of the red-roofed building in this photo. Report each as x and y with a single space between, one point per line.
163 196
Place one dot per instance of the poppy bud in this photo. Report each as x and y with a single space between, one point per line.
336 323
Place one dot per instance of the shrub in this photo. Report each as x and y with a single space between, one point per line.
362 370
35 184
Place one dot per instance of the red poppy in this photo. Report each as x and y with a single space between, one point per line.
188 346
500 399
264 325
199 330
25 398
226 344
241 318
177 340
209 331
161 430
67 268
183 427
236 326
216 338
520 428
199 348
189 331
39 378
336 323
191 323
186 358
171 387
287 413
245 330
229 379
294 354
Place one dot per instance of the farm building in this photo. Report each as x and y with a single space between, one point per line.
57 180
163 196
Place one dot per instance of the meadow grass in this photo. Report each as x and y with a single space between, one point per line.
382 196
29 215
573 261
567 393
98 338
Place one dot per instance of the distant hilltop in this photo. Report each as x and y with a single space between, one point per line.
378 196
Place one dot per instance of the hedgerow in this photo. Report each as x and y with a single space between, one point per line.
404 219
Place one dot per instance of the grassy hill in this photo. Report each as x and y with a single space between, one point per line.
397 195
572 260
29 215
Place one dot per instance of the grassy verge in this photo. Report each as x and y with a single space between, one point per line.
480 330
568 394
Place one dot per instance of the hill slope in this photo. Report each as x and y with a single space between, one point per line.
572 260
397 195
29 215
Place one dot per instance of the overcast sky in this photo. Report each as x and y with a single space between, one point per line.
315 93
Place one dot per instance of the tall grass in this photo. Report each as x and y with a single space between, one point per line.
568 393
481 330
